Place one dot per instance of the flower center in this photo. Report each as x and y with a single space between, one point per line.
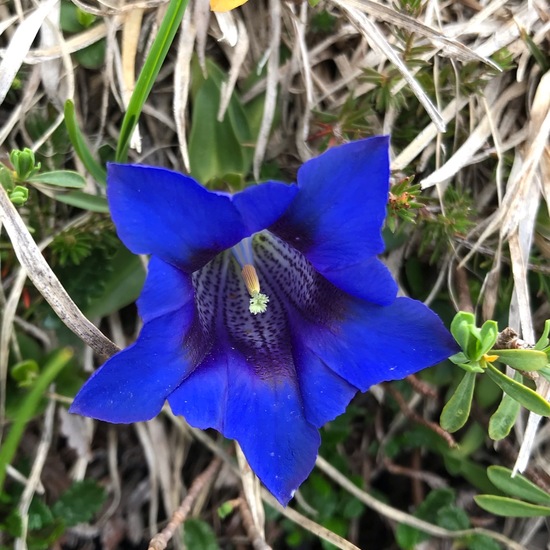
258 301
244 255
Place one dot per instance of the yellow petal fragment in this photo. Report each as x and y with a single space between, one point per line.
225 5
251 279
490 358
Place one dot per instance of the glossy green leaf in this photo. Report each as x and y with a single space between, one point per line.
488 336
457 410
526 396
510 507
504 418
217 148
518 486
460 328
522 359
60 178
80 146
157 54
93 203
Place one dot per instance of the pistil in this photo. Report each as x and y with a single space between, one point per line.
258 301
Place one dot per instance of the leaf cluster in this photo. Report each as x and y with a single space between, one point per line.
46 524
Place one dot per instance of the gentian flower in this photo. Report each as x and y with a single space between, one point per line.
264 311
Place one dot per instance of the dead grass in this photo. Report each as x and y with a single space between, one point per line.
507 119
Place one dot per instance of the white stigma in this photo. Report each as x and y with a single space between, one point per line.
258 301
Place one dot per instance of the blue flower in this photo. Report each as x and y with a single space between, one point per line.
265 311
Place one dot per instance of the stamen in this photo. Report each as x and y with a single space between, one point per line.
258 301
251 279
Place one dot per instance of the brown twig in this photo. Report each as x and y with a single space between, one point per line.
160 541
256 539
421 387
409 413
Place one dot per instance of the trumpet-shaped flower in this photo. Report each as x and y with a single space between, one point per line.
264 311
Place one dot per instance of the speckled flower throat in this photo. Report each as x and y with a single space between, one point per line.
285 277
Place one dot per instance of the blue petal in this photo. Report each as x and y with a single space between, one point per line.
325 394
262 205
265 416
367 344
160 212
169 215
166 290
133 385
369 280
337 216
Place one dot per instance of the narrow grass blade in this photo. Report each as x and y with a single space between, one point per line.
81 148
28 407
149 73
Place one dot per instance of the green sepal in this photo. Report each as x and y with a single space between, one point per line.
510 507
457 410
522 359
527 397
462 361
517 486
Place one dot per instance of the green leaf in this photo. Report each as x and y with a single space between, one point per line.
460 328
543 341
504 418
39 515
85 201
488 336
60 178
198 534
522 359
517 486
121 288
527 397
92 56
81 148
510 507
457 410
453 518
80 502
409 537
481 542
157 54
217 148
25 372
28 407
